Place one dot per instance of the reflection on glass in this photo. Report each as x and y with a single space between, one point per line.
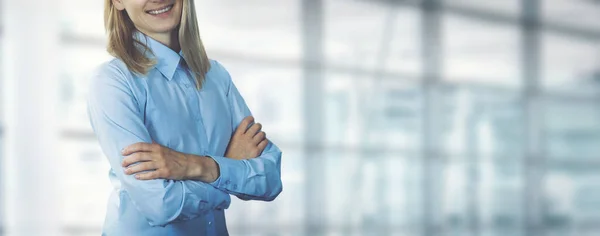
370 35
570 65
574 13
251 28
572 130
273 95
372 191
484 196
508 7
482 52
83 18
79 63
85 185
571 197
480 121
285 215
372 113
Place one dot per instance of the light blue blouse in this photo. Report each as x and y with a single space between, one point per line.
125 108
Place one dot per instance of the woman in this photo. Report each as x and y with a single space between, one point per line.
176 131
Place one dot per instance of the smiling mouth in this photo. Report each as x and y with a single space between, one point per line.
160 10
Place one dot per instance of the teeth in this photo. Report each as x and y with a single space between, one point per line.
160 11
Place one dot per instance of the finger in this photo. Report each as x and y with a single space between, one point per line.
241 129
259 137
144 166
148 175
135 158
252 131
138 147
262 145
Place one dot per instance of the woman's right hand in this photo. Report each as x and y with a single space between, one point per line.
247 142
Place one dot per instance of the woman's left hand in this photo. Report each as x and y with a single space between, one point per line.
155 161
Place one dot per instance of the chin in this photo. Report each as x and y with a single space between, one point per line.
165 29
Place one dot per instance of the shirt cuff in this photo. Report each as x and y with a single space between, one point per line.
229 173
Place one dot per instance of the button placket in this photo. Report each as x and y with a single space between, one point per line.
194 101
210 218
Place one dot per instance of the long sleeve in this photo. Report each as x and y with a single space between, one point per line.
252 179
117 121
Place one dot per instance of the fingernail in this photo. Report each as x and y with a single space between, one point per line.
122 150
137 176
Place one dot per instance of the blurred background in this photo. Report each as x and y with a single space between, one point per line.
406 117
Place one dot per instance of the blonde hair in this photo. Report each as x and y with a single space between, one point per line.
123 45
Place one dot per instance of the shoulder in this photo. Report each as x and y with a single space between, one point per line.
219 75
216 68
111 77
111 71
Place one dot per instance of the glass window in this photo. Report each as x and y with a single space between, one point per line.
372 191
85 183
260 48
480 121
372 36
370 112
570 65
484 193
266 28
284 216
508 7
572 13
481 52
83 18
572 191
402 175
280 109
273 94
399 46
398 116
571 129
80 61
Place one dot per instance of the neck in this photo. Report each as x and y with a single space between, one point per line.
170 39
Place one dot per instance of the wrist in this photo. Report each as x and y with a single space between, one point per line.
210 170
203 168
194 167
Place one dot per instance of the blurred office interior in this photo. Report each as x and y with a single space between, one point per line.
395 117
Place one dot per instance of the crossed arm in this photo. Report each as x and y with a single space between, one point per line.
179 186
153 161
